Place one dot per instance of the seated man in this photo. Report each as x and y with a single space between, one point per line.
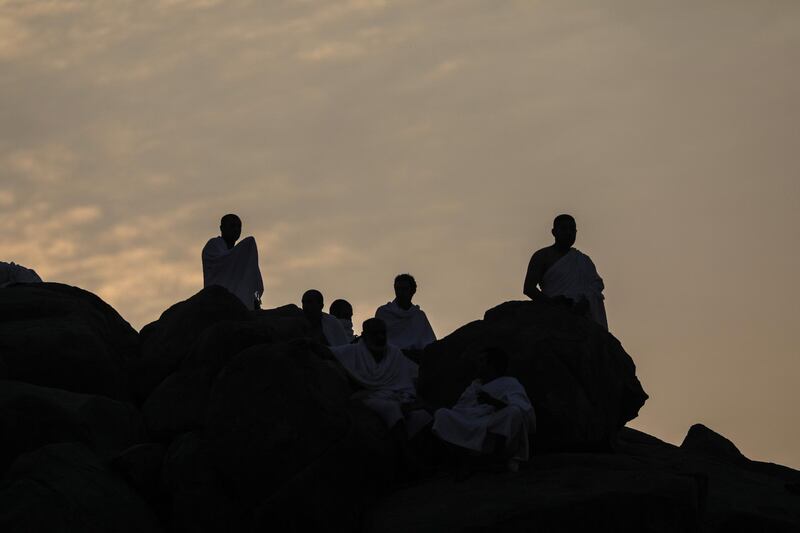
325 328
343 312
493 414
11 273
565 275
388 378
406 325
233 266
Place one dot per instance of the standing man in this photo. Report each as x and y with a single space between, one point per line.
407 325
233 266
566 275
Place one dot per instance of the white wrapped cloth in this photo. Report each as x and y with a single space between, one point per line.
11 273
387 384
235 268
576 277
406 328
333 331
469 423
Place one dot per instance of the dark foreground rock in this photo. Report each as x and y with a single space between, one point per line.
247 428
32 416
283 448
582 383
644 486
59 336
66 488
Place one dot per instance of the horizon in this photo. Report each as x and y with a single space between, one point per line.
363 139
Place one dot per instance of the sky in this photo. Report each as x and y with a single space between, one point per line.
363 138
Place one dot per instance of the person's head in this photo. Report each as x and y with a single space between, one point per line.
341 309
405 286
312 303
373 332
230 227
564 230
492 364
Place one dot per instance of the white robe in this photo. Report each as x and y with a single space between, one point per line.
236 268
347 325
469 422
11 273
387 384
333 331
576 277
406 328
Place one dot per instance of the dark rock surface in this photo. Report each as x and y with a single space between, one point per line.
167 341
59 336
582 383
32 416
244 428
645 485
65 487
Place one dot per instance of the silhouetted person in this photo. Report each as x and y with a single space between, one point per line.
388 378
325 328
565 275
406 324
233 266
343 311
493 414
11 273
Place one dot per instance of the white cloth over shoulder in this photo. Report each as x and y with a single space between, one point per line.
11 273
347 325
235 268
470 422
406 328
576 277
333 331
387 383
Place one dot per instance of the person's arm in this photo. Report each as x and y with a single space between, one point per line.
485 397
533 277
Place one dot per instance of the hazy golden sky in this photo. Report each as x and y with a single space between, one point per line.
361 139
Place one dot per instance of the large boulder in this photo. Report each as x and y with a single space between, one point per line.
59 336
32 416
282 447
582 383
178 404
646 485
168 340
67 488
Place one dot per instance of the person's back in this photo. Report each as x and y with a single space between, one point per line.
231 265
11 273
566 275
325 328
407 325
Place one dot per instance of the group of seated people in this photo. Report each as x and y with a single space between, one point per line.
493 415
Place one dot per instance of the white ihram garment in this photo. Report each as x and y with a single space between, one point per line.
236 268
333 330
576 277
387 383
406 328
469 423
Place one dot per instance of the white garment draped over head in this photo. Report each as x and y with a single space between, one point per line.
333 330
406 328
469 422
388 383
576 277
11 273
235 268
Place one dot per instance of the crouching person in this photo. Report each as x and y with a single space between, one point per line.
387 376
493 415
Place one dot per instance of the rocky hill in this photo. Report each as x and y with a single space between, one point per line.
213 418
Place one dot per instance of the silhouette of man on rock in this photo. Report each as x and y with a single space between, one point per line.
233 266
565 275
